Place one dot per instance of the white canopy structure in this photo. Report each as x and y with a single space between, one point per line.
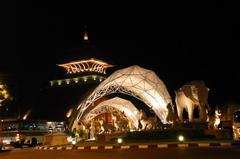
135 81
114 104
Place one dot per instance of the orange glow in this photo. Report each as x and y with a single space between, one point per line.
26 115
85 37
92 65
69 113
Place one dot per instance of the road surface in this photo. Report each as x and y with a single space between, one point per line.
150 153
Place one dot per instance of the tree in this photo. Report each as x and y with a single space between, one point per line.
4 94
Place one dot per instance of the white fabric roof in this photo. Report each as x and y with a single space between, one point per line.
136 81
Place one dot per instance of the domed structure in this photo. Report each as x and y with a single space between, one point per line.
135 81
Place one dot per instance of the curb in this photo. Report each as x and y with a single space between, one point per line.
142 146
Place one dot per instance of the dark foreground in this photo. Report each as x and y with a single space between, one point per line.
163 153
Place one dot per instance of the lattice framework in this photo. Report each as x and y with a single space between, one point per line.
135 81
111 105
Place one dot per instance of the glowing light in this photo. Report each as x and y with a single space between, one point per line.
85 37
119 140
76 80
26 115
89 65
69 113
59 82
67 81
74 141
181 138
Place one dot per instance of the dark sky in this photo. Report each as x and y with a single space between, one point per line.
180 41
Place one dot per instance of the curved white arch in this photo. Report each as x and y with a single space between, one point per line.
115 103
136 81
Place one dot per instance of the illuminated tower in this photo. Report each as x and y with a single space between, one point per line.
84 69
78 70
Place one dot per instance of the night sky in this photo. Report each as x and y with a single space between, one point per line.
180 41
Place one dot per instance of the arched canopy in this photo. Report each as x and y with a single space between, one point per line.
114 104
135 81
